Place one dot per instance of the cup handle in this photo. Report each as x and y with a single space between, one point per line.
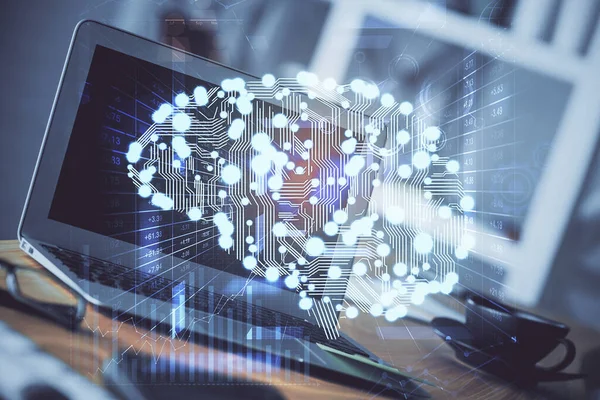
566 361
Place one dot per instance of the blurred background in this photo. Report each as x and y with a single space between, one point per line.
441 55
263 36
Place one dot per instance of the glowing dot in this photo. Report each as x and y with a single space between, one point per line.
200 96
225 242
160 115
279 121
383 250
400 269
376 310
291 281
250 262
181 122
376 182
278 96
275 182
395 313
308 144
236 129
245 201
261 165
299 170
222 194
231 174
452 166
351 200
354 166
452 278
272 274
345 104
351 312
279 229
357 85
421 160
252 248
359 269
182 100
427 195
329 84
342 181
467 203
315 246
276 196
194 214
387 100
340 217
461 253
250 239
268 80
260 141
334 272
220 218
134 153
349 146
394 214
162 146
445 212
282 249
432 133
371 91
331 228
163 201
404 171
244 105
305 303
294 128
405 108
176 164
313 200
427 181
426 266
423 243
435 157
145 191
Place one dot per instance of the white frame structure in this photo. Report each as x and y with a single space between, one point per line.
567 163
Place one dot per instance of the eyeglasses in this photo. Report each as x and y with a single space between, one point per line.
43 292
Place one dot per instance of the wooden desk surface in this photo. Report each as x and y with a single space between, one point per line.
409 346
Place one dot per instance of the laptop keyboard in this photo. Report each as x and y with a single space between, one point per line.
159 287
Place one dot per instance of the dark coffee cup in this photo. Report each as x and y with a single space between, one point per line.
518 337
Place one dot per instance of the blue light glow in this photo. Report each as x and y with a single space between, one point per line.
182 100
236 129
194 213
305 303
250 262
135 152
272 274
181 122
315 246
144 191
280 121
163 201
201 96
268 80
231 174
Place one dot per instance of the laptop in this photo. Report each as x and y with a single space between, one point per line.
86 224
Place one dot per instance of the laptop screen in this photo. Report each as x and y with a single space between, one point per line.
98 191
